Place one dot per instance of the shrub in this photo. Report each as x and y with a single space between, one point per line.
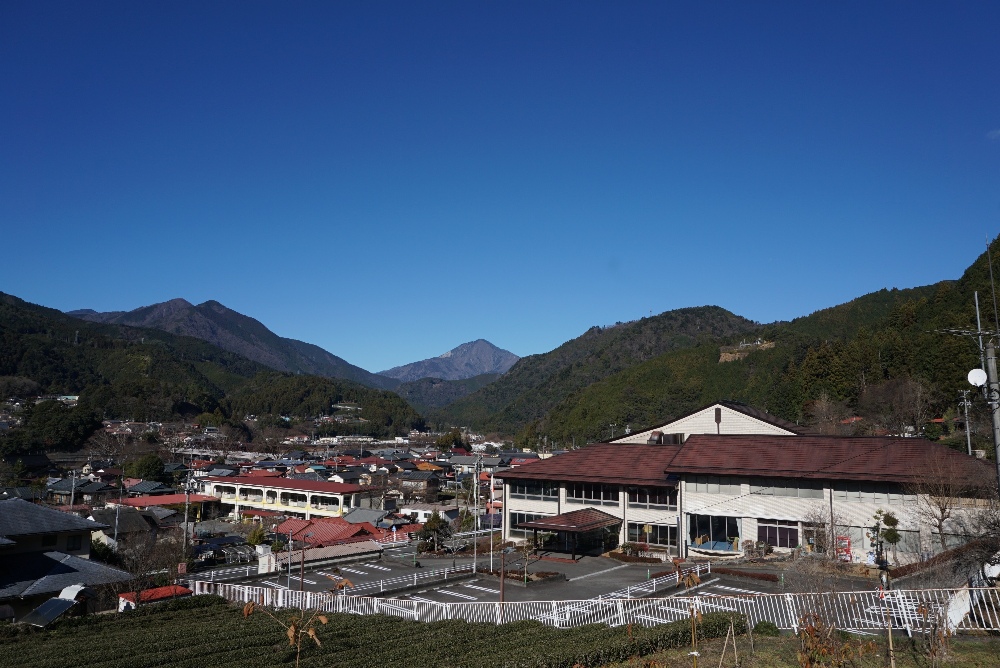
766 628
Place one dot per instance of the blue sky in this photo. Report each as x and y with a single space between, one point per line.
389 180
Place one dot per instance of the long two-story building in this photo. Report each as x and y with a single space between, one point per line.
296 498
713 493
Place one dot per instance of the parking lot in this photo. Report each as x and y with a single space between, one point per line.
392 576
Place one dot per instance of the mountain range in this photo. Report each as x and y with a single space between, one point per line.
466 361
243 335
857 355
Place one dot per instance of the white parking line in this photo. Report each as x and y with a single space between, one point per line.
306 580
425 600
275 585
590 575
378 568
486 589
351 570
457 595
742 591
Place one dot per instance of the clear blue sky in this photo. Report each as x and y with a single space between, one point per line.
389 180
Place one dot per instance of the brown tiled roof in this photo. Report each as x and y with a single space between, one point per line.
578 521
820 457
613 463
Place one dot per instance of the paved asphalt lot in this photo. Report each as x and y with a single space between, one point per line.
587 578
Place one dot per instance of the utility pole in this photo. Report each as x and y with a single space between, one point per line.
965 403
993 394
187 505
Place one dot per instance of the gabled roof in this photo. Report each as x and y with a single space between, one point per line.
129 520
21 518
419 475
147 487
166 500
749 411
50 572
370 515
611 463
27 493
66 485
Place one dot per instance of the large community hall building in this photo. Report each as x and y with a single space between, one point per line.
710 481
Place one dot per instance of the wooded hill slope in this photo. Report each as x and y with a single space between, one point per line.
123 372
240 334
539 382
880 355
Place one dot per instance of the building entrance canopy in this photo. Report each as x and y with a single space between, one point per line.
580 529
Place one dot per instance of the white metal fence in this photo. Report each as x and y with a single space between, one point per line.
915 611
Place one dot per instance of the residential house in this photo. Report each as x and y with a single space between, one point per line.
42 551
79 491
123 525
420 484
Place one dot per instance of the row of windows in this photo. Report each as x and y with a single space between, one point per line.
638 497
516 518
711 484
646 497
803 489
871 493
594 493
534 489
652 497
659 534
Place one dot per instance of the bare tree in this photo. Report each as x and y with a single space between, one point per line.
824 414
948 496
897 404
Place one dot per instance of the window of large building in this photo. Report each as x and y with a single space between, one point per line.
534 489
585 492
778 533
703 529
516 518
663 535
74 543
885 494
712 484
652 497
803 489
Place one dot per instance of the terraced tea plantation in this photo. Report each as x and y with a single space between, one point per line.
207 631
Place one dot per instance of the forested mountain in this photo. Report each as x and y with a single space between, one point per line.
466 361
428 394
147 374
240 334
538 383
882 355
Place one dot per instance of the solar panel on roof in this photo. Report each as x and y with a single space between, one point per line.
48 612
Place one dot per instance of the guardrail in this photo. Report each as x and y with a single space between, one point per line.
914 611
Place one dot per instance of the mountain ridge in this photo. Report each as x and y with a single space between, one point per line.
235 332
475 358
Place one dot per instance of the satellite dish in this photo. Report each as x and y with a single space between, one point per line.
977 377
